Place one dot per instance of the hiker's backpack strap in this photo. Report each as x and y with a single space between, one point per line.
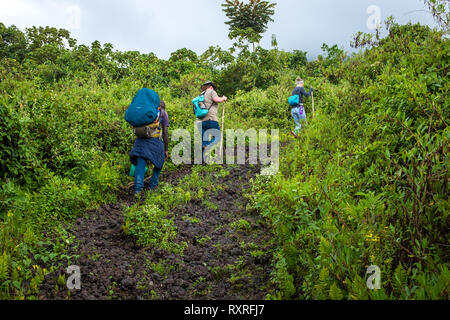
149 131
211 103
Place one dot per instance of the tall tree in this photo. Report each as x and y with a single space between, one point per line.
13 43
254 15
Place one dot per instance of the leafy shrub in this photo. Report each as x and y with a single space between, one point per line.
366 184
152 227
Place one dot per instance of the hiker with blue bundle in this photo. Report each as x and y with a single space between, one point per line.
297 107
206 109
150 122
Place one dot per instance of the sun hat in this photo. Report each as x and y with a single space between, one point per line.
209 83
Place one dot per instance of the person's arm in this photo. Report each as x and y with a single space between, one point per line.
165 133
306 94
220 100
215 97
165 130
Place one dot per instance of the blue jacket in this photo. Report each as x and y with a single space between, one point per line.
150 149
300 91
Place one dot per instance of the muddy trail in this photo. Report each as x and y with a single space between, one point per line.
228 253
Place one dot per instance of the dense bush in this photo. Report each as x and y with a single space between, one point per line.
367 184
151 226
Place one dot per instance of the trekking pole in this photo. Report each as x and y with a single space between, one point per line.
223 128
312 96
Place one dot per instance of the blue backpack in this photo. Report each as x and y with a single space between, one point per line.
294 101
144 109
200 109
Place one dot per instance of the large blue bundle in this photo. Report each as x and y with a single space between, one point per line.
143 110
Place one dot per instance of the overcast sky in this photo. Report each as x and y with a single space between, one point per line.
163 26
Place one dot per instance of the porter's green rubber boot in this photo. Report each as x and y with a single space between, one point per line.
133 170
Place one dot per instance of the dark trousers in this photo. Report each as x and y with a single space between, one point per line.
139 176
209 125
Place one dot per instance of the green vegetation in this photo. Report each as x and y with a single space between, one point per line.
151 226
241 225
365 184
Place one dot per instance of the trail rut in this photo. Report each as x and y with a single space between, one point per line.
221 260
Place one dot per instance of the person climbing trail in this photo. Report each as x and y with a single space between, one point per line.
211 120
149 148
297 108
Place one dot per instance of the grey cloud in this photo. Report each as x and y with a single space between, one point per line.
163 26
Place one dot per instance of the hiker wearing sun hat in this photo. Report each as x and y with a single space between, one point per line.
211 121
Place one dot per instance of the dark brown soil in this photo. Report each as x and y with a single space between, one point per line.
221 261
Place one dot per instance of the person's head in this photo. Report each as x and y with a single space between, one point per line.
299 82
162 105
208 86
